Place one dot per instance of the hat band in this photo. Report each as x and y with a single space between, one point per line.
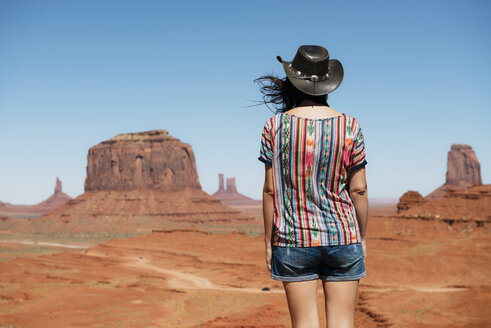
302 76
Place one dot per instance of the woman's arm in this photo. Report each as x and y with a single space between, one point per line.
358 193
268 208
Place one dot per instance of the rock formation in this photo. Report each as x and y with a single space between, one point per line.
409 198
58 186
463 170
56 199
138 182
472 204
231 187
230 196
149 160
220 182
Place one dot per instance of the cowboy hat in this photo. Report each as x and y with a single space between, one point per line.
312 72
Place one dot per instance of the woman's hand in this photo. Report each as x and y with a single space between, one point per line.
269 255
364 245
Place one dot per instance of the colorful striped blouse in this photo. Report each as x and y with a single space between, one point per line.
311 160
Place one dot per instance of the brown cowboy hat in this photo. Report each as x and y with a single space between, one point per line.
312 72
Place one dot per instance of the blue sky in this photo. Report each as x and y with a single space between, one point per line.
75 73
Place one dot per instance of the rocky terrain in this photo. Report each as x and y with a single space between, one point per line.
419 274
135 211
472 205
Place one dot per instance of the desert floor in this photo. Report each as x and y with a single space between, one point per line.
420 273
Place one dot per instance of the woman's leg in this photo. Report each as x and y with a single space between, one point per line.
302 302
340 300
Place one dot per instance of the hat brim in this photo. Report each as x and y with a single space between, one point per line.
336 74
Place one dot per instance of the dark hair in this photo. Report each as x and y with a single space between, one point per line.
282 95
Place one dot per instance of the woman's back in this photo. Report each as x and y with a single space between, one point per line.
312 151
315 203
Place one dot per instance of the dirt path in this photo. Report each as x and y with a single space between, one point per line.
182 280
27 242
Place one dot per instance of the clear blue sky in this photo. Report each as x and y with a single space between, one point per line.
75 73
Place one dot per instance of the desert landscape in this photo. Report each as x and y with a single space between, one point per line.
144 246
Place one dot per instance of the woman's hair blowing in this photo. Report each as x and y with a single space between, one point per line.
282 95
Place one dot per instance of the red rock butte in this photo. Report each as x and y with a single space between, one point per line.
463 171
150 160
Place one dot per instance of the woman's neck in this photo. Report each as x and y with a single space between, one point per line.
310 103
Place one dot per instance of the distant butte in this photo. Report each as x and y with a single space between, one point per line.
463 171
150 160
462 197
57 199
231 197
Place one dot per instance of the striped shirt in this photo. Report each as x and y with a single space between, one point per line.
311 160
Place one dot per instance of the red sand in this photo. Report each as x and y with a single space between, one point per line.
420 273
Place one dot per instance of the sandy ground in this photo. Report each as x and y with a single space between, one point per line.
420 273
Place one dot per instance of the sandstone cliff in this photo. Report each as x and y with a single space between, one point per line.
150 160
463 170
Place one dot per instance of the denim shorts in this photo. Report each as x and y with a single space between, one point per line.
329 263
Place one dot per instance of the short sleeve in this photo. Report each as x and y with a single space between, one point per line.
358 154
266 149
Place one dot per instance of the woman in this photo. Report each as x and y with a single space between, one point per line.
315 203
